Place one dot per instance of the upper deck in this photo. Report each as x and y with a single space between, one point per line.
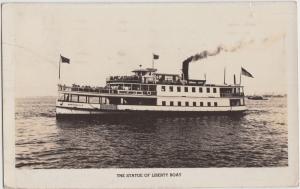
150 76
156 90
150 84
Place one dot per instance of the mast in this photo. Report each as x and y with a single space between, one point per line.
224 75
59 62
241 76
59 67
152 62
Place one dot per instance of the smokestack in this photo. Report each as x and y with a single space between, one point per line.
185 68
234 80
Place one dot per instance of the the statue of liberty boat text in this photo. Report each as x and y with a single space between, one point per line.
148 91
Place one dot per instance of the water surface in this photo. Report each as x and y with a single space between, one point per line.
256 139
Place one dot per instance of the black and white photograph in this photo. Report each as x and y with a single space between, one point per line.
105 86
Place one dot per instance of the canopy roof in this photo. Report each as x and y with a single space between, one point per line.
145 70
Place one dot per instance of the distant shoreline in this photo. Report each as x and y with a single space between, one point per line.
27 97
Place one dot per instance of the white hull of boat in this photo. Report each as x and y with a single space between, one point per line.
70 108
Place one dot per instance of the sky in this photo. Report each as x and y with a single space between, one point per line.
113 39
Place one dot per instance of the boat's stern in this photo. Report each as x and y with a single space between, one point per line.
75 108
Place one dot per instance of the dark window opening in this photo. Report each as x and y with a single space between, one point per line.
179 103
201 103
163 103
208 104
193 89
208 90
215 104
194 103
136 101
163 88
152 88
186 103
214 90
171 103
200 90
171 88
235 102
178 89
115 100
186 89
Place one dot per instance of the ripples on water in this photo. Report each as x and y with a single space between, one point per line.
256 139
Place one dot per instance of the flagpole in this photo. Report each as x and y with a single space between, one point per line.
152 61
241 76
59 68
224 75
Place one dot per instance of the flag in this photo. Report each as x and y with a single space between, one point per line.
64 59
246 73
155 56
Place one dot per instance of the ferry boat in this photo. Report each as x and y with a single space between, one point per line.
149 91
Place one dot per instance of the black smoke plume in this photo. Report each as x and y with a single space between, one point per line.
196 57
204 54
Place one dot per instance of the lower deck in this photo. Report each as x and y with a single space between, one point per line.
85 108
70 103
153 100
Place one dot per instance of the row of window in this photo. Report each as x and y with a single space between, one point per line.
82 99
186 89
188 104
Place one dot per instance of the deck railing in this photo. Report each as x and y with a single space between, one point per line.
98 90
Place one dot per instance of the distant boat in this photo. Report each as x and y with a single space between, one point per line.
257 98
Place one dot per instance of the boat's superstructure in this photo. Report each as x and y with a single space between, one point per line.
147 90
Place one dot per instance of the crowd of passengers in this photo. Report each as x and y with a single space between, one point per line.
76 87
138 78
88 88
